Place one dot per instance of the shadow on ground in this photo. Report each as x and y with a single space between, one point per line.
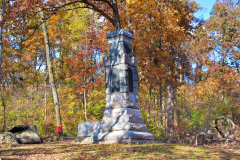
64 150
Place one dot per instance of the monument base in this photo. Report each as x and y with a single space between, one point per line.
123 137
123 125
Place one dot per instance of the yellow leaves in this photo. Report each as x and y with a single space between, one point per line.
67 94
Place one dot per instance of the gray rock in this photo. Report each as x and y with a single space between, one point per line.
109 105
124 59
112 119
88 129
125 126
125 141
135 91
108 76
27 137
124 81
136 97
121 104
107 69
121 111
135 84
108 90
114 61
123 67
123 135
116 97
132 97
8 138
135 77
119 32
124 95
18 128
106 61
122 121
134 61
123 74
136 104
32 127
134 70
108 98
124 89
88 140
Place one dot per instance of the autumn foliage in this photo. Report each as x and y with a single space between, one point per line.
188 68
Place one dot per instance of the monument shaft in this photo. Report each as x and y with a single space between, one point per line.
122 121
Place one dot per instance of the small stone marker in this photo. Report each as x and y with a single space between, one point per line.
122 121
87 129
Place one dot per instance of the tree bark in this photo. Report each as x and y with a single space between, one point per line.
84 79
170 107
45 108
161 107
85 104
149 105
1 28
4 107
50 71
1 76
116 15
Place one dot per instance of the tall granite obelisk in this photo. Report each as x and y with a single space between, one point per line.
122 121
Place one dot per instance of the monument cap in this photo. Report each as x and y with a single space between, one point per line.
120 32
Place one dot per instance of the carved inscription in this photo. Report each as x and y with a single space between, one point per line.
115 80
130 79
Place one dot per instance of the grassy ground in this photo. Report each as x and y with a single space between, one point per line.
70 150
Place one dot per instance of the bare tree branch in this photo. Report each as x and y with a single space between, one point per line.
92 7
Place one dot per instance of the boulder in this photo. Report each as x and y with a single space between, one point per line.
8 138
27 137
18 128
87 129
25 134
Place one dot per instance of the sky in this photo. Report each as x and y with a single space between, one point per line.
207 5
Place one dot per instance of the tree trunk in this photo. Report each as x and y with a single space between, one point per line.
160 105
50 71
84 79
4 107
156 108
45 108
232 108
82 95
179 109
1 29
149 105
170 107
1 76
85 104
116 15
223 94
165 114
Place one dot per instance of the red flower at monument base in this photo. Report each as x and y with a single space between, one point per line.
59 129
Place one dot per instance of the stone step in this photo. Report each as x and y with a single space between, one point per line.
126 126
126 141
115 118
123 135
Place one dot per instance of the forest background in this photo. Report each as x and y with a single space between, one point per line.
188 67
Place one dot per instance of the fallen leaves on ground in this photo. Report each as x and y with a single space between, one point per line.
68 149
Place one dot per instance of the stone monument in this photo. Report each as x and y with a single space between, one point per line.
122 121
